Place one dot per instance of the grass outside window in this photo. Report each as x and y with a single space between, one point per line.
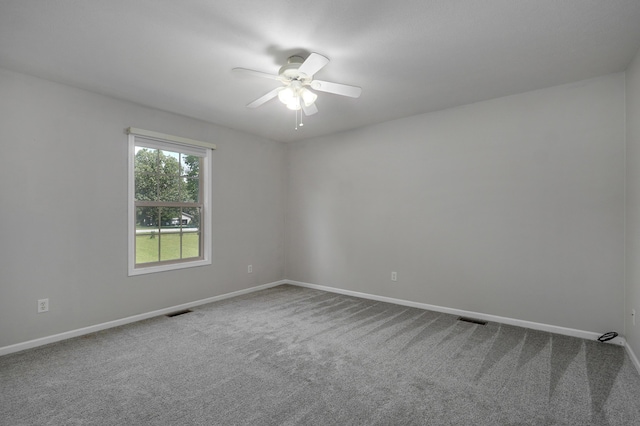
154 247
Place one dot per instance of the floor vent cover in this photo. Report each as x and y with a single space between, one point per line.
472 320
175 314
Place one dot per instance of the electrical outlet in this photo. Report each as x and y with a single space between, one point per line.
394 276
250 269
43 305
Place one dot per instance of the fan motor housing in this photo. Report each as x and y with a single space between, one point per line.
290 71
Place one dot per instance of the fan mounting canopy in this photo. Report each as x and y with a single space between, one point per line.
291 71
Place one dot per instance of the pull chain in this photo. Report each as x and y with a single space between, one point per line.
298 122
296 115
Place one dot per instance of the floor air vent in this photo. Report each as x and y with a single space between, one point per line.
472 320
175 314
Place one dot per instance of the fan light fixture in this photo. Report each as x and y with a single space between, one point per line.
296 75
294 94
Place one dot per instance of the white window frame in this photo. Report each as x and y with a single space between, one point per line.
163 141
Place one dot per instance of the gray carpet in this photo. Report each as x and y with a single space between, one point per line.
295 356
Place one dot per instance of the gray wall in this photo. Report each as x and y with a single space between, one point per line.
512 207
632 295
63 210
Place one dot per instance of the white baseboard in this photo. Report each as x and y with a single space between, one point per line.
110 324
503 320
633 357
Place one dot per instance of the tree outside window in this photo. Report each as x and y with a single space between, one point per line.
168 205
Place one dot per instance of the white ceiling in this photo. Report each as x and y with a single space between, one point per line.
409 56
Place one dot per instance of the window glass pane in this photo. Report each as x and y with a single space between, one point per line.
186 218
191 232
147 219
170 219
189 165
146 160
190 243
170 224
168 176
192 216
146 170
169 163
147 235
168 188
190 190
147 246
170 245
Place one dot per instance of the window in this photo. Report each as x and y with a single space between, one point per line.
169 202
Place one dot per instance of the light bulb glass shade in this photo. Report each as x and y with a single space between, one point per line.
294 103
308 97
286 95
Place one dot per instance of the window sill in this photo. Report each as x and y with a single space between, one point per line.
169 267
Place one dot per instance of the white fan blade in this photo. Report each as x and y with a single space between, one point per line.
309 110
264 98
336 88
257 73
314 63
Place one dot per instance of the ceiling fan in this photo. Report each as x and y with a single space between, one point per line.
297 79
